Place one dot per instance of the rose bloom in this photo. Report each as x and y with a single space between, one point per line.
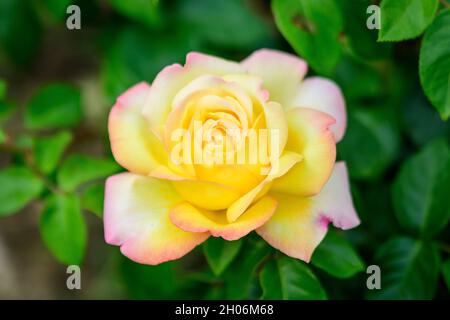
162 207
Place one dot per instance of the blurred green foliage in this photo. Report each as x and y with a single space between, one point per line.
396 146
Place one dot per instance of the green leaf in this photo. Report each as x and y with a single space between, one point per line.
54 106
3 88
3 136
138 55
312 28
336 256
417 113
446 273
48 150
214 21
373 202
361 40
371 142
20 30
57 7
220 253
420 190
162 281
143 11
18 186
241 272
24 141
92 198
409 269
434 63
405 19
78 169
369 84
63 228
6 109
290 279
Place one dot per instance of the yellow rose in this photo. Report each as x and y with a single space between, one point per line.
221 148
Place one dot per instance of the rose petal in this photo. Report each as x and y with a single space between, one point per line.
277 126
173 78
299 224
335 199
284 164
133 145
309 135
192 219
205 194
323 95
212 194
281 73
136 218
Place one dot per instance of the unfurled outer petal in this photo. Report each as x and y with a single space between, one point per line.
136 217
281 73
173 78
190 218
299 224
309 136
133 144
335 199
323 95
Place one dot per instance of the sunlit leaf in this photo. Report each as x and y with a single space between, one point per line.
54 106
312 28
78 169
434 63
18 186
48 150
63 228
92 198
143 11
405 19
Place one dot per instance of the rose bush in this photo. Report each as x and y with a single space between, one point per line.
166 205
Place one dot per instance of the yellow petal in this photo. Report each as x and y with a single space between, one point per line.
277 126
286 162
239 177
190 218
310 136
173 78
295 229
205 194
